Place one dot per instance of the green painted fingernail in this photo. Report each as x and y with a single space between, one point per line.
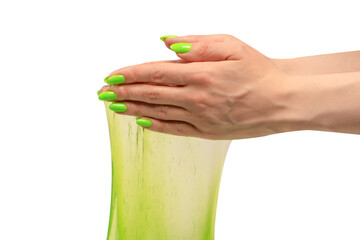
181 47
117 79
98 92
107 96
166 36
136 118
118 107
144 122
106 79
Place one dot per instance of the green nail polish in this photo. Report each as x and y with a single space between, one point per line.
181 47
136 118
144 122
118 107
166 36
106 79
107 96
117 79
98 92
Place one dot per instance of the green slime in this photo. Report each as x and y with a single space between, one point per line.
164 187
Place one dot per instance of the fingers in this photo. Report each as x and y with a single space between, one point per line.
218 47
170 127
149 93
165 73
140 109
166 61
199 38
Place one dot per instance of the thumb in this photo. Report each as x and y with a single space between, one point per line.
201 48
206 51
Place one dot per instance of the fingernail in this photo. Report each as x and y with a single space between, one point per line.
144 122
107 96
98 92
118 107
166 36
136 118
181 47
106 79
117 79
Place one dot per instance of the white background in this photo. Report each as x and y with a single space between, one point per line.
55 154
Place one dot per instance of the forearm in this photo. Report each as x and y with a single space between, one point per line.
321 64
328 102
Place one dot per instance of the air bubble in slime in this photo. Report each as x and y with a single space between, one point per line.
164 187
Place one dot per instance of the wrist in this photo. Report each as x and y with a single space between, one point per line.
303 103
330 102
323 102
282 64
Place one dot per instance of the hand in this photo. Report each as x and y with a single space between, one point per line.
221 89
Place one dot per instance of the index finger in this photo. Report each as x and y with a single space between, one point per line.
164 73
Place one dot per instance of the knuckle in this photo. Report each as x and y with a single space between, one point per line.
123 93
203 77
241 46
164 127
151 95
199 101
161 112
228 37
157 76
239 53
188 114
204 50
180 128
133 72
135 109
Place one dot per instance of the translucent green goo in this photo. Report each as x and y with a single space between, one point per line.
164 187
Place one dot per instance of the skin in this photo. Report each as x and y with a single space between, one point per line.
321 64
224 89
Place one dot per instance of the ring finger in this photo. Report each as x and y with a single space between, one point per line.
141 109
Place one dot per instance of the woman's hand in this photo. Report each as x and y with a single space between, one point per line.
221 89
